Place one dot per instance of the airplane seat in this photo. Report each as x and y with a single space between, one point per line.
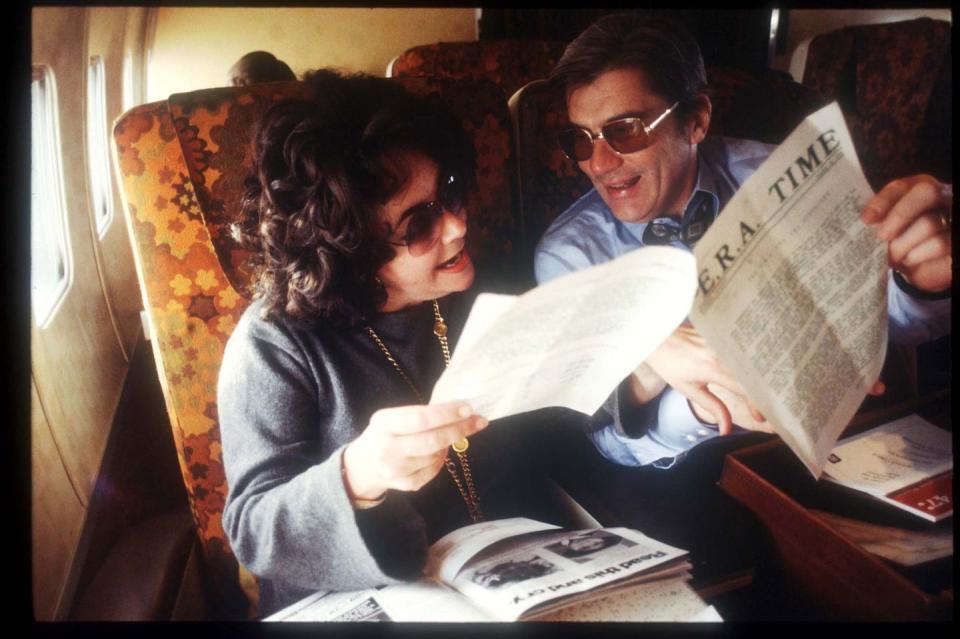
182 164
762 105
191 306
508 63
893 83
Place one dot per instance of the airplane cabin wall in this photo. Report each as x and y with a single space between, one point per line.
80 358
207 41
107 37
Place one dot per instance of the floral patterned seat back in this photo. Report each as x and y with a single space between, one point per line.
510 64
183 163
893 83
763 106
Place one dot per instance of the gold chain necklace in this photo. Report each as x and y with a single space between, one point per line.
469 493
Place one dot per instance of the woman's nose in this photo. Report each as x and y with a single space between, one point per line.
454 224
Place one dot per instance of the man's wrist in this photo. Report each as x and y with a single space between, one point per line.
632 419
645 384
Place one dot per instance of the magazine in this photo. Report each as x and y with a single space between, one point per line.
513 569
788 286
907 463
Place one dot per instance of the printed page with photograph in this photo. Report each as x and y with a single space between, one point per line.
535 572
513 569
571 341
792 287
907 463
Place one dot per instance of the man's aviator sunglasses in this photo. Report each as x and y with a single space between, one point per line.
625 135
423 226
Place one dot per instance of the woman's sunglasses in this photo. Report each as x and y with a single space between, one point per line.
626 135
423 220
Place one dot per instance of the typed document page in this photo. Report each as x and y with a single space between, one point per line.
891 457
792 287
571 341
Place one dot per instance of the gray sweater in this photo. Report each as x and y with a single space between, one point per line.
289 399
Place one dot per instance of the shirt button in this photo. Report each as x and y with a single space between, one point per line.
702 432
691 438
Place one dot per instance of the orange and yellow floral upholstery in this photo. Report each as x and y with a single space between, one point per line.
182 163
893 82
510 64
759 105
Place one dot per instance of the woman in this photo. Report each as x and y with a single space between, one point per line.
340 476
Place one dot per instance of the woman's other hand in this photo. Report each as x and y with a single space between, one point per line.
404 447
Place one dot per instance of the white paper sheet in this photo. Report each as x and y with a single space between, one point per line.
571 341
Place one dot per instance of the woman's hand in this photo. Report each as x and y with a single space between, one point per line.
404 447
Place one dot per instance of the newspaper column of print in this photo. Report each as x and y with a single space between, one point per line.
792 287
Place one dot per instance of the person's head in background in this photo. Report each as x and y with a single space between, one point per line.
259 66
638 80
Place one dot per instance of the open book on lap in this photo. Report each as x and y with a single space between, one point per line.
514 569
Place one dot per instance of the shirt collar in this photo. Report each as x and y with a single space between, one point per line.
698 213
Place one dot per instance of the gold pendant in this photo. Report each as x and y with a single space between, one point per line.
461 445
439 329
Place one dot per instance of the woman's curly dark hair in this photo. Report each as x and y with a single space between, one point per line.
323 167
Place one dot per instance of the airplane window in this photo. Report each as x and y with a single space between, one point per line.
99 157
50 260
131 97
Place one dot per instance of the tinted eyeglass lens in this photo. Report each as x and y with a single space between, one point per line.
625 136
576 144
423 226
423 229
450 195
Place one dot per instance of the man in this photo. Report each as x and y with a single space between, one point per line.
259 66
639 117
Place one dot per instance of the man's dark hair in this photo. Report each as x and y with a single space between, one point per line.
660 47
259 66
323 167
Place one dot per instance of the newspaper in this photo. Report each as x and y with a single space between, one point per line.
792 287
571 341
516 569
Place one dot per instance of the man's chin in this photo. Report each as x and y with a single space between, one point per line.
630 214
